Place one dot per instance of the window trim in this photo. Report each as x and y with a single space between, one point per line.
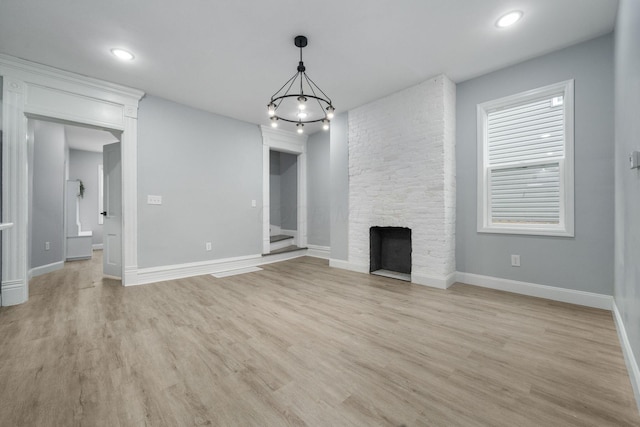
566 226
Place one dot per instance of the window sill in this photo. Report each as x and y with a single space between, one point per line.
527 231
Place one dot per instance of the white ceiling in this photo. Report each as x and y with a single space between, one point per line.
230 56
88 139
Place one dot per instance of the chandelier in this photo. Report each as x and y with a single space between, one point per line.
309 105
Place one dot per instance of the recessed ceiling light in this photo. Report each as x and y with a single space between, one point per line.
509 19
122 54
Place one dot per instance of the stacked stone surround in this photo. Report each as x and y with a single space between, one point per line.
402 174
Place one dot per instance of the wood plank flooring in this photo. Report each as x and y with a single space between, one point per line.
303 344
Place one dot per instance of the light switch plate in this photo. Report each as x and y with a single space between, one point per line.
154 200
634 160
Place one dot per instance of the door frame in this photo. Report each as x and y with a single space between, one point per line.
292 143
41 91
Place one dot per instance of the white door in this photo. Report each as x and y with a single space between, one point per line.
112 202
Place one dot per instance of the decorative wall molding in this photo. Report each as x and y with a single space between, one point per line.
44 269
588 299
632 363
14 195
67 81
12 292
34 90
318 251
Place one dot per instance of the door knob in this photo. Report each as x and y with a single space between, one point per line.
103 213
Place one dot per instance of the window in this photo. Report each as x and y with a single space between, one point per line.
525 162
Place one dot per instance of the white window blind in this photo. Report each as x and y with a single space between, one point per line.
528 194
533 131
525 141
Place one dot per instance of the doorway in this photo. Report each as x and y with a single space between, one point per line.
293 148
65 163
35 90
283 201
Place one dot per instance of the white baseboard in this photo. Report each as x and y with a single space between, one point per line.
588 299
338 263
13 292
180 271
346 265
318 251
440 282
44 269
632 364
97 246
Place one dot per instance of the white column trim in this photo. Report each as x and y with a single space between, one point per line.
266 213
129 148
302 197
15 283
31 89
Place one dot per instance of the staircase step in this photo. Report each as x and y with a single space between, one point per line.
279 238
284 250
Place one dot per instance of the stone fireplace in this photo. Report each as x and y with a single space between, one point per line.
402 173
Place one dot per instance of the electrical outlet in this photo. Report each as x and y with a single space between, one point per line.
253 204
515 260
154 200
208 246
47 246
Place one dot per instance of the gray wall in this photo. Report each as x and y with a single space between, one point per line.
627 188
339 187
584 262
274 189
318 189
208 169
48 193
83 165
289 191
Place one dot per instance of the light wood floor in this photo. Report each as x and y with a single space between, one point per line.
300 343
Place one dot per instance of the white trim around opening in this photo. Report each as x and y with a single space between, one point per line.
286 142
36 90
